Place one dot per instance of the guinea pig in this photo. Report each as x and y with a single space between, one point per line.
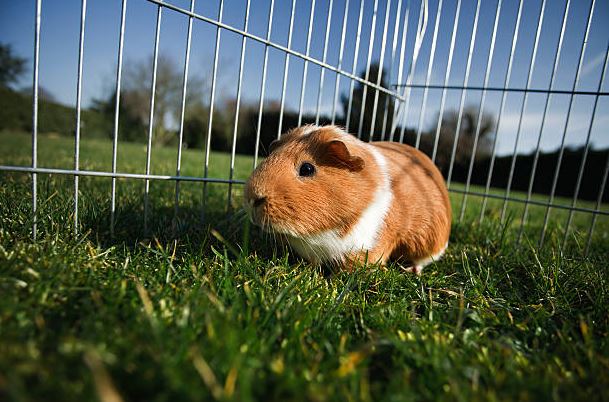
342 201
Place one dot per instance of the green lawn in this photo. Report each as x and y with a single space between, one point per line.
201 309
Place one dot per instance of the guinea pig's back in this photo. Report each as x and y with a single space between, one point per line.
421 207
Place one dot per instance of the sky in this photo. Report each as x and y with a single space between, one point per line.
60 27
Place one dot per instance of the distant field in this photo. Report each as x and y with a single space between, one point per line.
96 154
201 308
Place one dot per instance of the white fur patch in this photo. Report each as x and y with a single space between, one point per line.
330 246
422 263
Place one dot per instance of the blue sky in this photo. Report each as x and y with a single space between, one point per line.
61 22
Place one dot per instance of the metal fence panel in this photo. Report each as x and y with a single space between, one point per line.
398 68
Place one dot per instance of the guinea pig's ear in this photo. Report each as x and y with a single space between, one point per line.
338 152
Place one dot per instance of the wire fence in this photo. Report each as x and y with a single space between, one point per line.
389 50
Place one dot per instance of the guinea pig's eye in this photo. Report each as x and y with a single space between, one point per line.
306 170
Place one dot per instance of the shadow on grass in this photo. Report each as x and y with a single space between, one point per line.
197 227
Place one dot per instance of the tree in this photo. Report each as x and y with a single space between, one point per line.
467 135
130 127
384 102
135 100
11 66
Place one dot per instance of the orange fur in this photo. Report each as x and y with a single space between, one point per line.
347 180
418 223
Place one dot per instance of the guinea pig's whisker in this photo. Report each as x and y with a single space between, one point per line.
315 252
265 229
275 239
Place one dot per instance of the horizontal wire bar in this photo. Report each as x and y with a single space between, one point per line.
276 46
502 89
95 173
540 203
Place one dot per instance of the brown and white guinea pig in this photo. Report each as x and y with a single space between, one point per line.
339 200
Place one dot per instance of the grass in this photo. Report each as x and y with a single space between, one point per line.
197 310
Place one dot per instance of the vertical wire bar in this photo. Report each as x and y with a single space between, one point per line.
394 46
491 54
35 118
151 117
564 134
117 92
354 67
263 84
379 75
182 111
212 97
508 75
306 62
78 109
586 150
451 52
432 56
599 200
237 107
400 72
523 107
410 75
367 74
286 68
340 60
324 57
557 55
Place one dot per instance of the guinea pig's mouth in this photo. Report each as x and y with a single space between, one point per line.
259 218
270 227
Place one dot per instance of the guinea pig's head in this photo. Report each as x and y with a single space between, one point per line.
315 179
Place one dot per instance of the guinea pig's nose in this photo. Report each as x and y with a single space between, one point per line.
259 201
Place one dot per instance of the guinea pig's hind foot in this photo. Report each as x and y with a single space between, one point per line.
418 265
413 269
